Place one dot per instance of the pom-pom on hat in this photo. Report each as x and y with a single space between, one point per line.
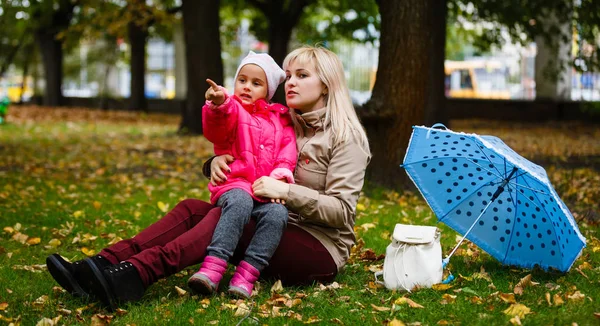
275 75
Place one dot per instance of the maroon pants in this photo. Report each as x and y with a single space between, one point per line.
180 239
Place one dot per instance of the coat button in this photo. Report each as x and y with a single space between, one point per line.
307 161
262 146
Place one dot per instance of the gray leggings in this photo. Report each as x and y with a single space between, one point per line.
237 209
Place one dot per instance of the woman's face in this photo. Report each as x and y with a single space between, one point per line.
303 88
251 84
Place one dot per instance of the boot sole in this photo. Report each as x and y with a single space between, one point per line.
238 292
64 278
201 285
98 285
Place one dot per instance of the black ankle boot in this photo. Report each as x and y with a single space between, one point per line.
115 284
68 275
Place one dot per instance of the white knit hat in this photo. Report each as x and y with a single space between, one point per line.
275 75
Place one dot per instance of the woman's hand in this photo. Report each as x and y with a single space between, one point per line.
214 93
219 167
271 188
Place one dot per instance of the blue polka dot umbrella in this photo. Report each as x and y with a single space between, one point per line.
497 199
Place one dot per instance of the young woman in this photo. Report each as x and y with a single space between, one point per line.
333 153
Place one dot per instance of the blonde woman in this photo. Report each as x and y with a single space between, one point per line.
333 153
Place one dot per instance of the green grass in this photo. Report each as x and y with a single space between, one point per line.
86 183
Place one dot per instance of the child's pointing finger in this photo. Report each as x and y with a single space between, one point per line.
213 85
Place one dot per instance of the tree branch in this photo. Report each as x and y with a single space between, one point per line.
259 5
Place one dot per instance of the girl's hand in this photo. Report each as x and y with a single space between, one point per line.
219 167
214 93
271 188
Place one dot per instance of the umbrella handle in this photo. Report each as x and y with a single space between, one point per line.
437 125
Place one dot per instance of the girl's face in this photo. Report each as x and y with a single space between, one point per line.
251 84
304 90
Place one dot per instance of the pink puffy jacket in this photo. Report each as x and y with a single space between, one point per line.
259 136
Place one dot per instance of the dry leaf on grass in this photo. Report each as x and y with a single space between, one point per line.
396 322
515 320
49 322
517 309
558 300
277 287
523 283
181 292
441 287
508 297
33 241
577 296
312 320
3 306
88 252
448 298
405 300
380 308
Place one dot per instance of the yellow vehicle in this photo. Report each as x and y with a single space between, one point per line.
12 87
476 79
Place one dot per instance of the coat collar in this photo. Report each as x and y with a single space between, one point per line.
262 107
314 119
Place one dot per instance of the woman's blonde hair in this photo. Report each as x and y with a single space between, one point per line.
340 115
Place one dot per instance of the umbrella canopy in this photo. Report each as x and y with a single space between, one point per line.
499 200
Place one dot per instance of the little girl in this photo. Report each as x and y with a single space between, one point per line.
260 137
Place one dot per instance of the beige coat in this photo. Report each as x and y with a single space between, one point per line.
329 178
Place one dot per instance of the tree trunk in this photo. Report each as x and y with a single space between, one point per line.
279 39
435 107
28 58
203 58
52 58
138 36
400 94
11 55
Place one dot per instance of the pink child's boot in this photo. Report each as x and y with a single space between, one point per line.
242 282
206 280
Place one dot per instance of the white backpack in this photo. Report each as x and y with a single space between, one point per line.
414 258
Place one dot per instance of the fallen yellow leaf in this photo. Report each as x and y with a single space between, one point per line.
162 206
380 308
97 204
9 229
441 287
517 309
523 283
405 300
3 305
20 237
367 226
448 298
54 243
558 300
515 320
360 207
277 287
77 214
396 322
33 241
181 292
312 320
548 298
508 297
585 265
577 296
88 252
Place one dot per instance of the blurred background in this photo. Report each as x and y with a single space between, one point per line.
406 62
492 50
